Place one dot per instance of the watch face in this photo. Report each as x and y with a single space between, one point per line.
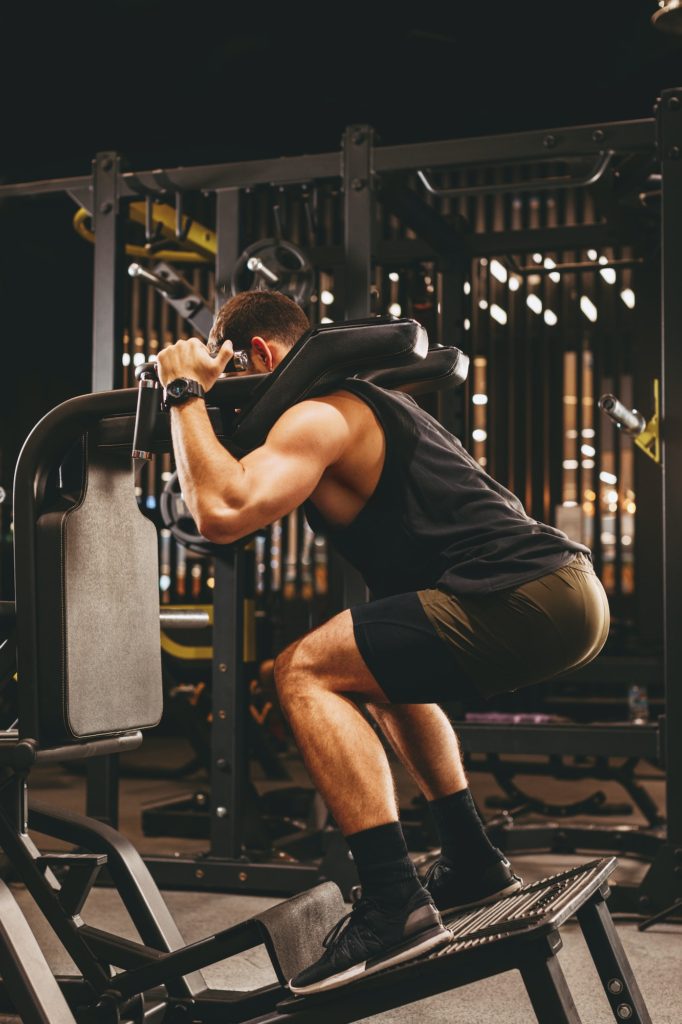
177 387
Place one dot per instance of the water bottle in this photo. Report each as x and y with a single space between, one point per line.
638 704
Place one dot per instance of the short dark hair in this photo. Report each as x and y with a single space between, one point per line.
270 314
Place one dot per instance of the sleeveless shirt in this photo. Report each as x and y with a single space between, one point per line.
436 519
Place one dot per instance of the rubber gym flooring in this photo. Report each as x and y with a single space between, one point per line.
656 955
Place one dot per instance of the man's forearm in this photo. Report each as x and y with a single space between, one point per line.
212 481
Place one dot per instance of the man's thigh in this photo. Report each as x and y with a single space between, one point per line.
328 657
385 651
403 652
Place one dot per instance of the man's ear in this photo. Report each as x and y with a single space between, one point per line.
261 350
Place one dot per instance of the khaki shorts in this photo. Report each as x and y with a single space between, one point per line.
527 634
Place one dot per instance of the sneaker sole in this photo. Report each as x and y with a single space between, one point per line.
492 898
430 940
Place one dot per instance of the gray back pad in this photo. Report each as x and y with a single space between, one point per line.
98 609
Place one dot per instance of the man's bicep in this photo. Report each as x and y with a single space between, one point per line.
281 474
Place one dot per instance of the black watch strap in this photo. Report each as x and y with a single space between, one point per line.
181 390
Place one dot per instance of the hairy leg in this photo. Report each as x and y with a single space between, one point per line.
425 742
319 678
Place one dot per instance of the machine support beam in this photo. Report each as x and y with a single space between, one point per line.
560 143
229 769
107 345
358 202
227 238
106 334
359 206
670 144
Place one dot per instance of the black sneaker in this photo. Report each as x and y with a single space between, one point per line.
369 939
452 890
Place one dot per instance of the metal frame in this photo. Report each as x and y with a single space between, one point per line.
357 166
360 167
556 144
520 933
33 990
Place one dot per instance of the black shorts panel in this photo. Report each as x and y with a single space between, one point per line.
406 656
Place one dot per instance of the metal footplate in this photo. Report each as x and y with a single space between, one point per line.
540 906
520 932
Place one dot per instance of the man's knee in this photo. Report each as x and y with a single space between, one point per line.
282 668
294 673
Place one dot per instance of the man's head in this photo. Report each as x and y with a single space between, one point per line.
265 324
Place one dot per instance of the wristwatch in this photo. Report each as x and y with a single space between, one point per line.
181 390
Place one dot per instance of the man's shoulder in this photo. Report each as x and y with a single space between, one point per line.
335 421
313 422
319 407
341 400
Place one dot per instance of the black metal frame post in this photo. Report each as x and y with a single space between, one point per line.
106 322
107 340
670 120
358 219
546 984
101 789
663 885
358 227
227 241
228 728
613 967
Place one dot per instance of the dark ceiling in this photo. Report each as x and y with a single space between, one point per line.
168 82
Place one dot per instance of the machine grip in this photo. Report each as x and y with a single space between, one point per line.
145 417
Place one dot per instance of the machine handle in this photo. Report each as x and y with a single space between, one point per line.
184 618
173 289
256 266
148 408
591 177
628 420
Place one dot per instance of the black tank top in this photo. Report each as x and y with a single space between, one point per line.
436 518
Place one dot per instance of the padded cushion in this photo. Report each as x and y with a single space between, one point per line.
440 369
443 368
321 359
98 608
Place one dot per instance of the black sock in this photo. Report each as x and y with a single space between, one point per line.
386 872
462 836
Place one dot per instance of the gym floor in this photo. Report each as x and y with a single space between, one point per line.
655 955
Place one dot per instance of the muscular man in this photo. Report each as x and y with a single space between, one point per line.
469 595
